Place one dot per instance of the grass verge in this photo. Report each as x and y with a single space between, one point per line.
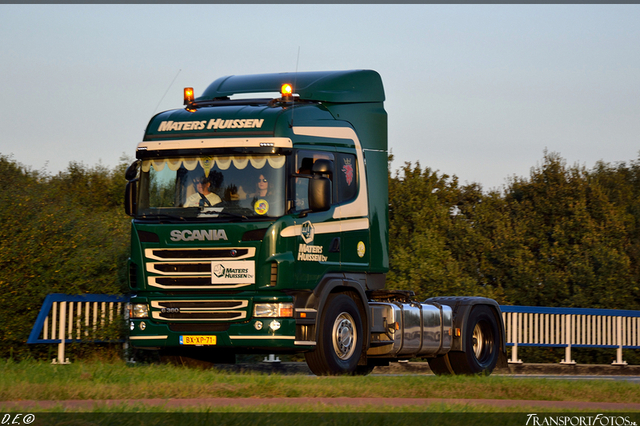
32 380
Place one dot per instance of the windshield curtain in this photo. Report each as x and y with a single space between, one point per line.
205 186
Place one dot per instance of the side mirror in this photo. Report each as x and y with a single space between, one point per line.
131 198
132 171
319 194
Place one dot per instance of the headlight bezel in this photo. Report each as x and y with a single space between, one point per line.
138 310
273 310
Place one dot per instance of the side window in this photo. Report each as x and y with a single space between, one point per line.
346 177
304 163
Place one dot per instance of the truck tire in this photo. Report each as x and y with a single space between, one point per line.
441 366
340 338
482 335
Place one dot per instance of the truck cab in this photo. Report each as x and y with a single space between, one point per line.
249 211
260 225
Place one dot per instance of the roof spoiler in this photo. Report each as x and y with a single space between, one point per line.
322 86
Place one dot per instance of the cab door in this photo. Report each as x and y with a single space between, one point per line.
317 248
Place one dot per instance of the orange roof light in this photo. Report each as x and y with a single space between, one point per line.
286 90
188 95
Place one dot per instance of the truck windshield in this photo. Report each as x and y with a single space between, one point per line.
239 186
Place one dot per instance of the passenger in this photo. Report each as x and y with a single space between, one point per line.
263 188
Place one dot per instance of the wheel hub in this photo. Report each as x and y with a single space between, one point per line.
344 336
478 341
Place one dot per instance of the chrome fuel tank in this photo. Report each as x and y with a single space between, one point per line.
407 330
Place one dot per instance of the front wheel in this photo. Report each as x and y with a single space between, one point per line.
340 338
482 338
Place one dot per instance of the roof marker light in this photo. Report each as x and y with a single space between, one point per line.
188 95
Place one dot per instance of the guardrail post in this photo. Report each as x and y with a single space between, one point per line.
568 333
62 335
272 358
619 334
514 336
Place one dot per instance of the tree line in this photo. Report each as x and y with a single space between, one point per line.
63 233
564 236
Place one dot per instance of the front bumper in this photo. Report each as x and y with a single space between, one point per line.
168 329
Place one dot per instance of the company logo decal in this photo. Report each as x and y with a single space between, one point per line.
218 270
361 249
307 252
347 169
307 232
310 253
233 272
198 235
213 124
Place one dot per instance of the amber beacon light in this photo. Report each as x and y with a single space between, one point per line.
286 90
188 95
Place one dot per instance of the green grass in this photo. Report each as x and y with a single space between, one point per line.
306 408
32 380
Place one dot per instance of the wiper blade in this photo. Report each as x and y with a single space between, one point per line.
220 213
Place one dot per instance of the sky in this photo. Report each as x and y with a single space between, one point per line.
475 91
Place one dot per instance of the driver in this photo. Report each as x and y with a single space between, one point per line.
203 197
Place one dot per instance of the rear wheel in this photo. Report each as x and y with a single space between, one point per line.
482 338
340 339
441 366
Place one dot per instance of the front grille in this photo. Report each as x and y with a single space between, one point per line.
183 282
213 304
182 268
199 310
191 269
227 253
199 253
202 315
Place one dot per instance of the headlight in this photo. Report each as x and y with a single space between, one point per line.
139 310
274 310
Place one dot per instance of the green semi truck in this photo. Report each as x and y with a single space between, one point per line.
260 225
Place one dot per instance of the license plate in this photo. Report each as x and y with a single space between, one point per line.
198 340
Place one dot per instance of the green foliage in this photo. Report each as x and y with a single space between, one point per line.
419 224
60 234
566 236
577 237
